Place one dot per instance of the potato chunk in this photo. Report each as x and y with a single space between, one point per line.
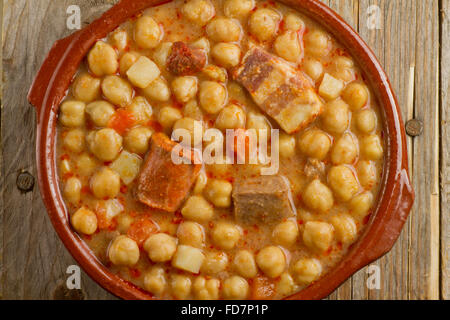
188 258
127 165
143 72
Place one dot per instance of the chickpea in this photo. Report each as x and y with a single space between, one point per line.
155 281
345 228
356 95
306 271
371 147
263 24
225 235
288 47
84 221
314 69
201 182
127 60
160 247
161 53
227 55
105 183
293 22
141 110
147 33
137 140
168 116
315 144
219 192
366 120
343 69
105 144
335 118
287 145
238 8
317 43
198 209
201 43
345 150
74 140
193 127
367 173
184 88
220 167
214 263
361 205
86 164
212 96
117 90
72 190
318 196
244 264
72 113
317 235
272 261
224 30
259 123
119 39
286 285
206 289
343 182
103 59
123 251
285 233
158 90
65 167
191 234
180 286
86 88
199 11
124 222
100 112
235 288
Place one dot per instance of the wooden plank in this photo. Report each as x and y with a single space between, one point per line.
424 219
1 161
347 9
34 259
445 151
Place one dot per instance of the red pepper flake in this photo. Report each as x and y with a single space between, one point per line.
301 222
65 157
123 189
85 190
328 252
68 175
122 121
134 273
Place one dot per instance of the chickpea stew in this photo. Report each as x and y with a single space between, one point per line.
220 230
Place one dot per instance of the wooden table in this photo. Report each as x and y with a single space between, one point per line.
411 39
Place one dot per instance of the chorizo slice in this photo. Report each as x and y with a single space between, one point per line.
184 60
163 184
281 91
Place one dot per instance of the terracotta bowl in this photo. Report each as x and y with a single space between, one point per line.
396 195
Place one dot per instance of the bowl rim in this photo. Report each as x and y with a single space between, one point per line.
396 195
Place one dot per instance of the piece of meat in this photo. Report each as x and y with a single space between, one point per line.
184 60
162 184
264 199
281 91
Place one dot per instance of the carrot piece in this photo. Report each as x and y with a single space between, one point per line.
122 121
141 229
262 288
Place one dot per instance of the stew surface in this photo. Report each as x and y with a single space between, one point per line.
219 230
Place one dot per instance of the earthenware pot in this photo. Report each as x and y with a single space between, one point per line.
396 195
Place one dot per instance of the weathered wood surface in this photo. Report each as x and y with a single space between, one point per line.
411 40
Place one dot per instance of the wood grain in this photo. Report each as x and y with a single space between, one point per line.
33 261
445 151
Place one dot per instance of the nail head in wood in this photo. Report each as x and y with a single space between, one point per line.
25 182
414 127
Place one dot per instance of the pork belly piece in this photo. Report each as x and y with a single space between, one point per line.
281 91
264 199
162 184
184 60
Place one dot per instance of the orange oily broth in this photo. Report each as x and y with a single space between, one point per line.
253 238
